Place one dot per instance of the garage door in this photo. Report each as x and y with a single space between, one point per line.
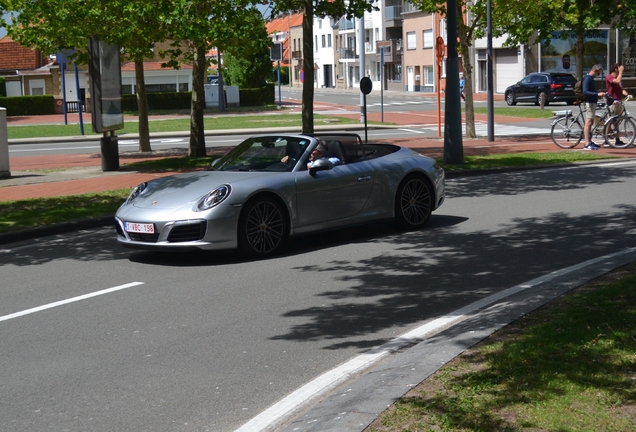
506 69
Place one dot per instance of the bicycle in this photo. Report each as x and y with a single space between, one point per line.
567 130
620 130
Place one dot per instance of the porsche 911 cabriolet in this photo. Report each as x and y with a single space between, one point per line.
265 190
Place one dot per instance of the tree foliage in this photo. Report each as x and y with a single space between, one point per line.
56 25
249 65
205 24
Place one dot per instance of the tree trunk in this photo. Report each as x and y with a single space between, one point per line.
308 67
197 128
142 104
579 50
464 50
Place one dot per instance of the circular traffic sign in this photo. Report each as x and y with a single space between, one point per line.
301 75
366 85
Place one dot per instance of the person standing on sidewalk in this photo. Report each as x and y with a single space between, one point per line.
588 88
462 83
615 92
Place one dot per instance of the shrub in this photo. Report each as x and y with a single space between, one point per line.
159 101
258 96
28 105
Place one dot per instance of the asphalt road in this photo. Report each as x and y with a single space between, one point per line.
209 341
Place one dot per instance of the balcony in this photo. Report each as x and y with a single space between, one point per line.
393 16
345 24
392 50
370 48
348 53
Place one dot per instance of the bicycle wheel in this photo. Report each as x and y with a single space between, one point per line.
620 132
567 132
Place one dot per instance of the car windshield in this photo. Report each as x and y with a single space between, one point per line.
267 153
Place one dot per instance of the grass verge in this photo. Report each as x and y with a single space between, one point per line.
522 112
521 160
568 366
181 124
32 213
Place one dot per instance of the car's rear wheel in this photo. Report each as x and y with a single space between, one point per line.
542 99
510 99
413 202
262 227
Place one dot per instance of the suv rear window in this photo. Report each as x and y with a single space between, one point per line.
564 79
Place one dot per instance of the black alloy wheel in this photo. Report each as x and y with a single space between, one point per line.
413 202
262 227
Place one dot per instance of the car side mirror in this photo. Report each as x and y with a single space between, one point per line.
320 165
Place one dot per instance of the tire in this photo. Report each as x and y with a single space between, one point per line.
262 227
510 99
567 132
413 202
620 129
542 96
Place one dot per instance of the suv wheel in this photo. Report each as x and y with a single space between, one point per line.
510 99
542 99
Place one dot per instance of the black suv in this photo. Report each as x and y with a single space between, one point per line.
549 86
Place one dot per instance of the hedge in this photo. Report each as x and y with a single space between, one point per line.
45 104
28 105
3 87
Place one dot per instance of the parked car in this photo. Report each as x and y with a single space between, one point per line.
262 191
546 86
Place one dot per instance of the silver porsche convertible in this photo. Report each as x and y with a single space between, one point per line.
266 189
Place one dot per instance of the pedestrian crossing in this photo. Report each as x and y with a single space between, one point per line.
481 130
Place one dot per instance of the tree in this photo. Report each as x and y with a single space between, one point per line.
56 25
467 32
249 65
205 24
320 8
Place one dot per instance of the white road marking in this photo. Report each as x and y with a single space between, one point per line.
70 300
283 409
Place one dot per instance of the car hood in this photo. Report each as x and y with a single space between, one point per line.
179 190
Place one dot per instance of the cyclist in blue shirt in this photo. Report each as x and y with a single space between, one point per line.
588 87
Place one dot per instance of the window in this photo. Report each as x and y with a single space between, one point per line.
324 44
329 40
410 41
427 38
442 30
319 23
36 87
429 76
316 43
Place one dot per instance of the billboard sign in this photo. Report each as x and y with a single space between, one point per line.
106 94
558 53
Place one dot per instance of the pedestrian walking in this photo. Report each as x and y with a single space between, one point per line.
462 83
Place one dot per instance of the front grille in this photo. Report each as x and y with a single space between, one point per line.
187 232
147 238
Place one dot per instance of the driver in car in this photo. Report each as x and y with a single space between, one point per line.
319 153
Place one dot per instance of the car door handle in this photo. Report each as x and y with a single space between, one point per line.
364 179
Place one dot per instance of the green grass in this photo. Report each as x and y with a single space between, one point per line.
522 112
569 366
31 213
172 164
521 160
221 122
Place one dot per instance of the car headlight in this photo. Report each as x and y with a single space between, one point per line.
213 198
136 192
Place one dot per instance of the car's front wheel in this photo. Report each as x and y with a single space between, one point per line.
510 99
413 202
262 227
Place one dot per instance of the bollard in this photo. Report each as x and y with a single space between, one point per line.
4 145
110 152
